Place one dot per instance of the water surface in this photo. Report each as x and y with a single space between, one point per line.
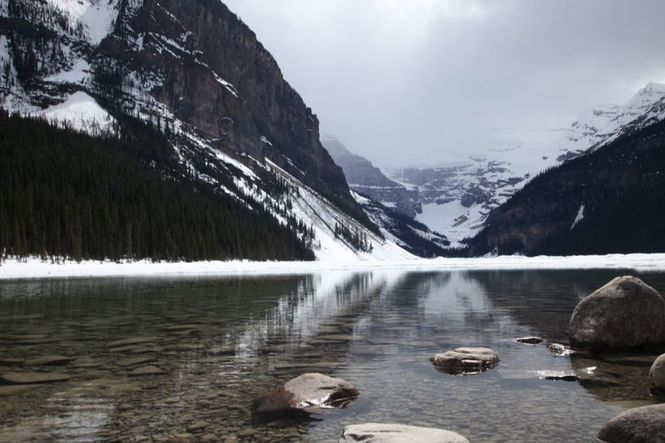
223 342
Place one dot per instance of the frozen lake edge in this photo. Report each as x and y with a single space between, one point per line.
35 268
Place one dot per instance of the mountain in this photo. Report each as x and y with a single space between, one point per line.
193 70
390 206
365 178
403 230
457 197
611 199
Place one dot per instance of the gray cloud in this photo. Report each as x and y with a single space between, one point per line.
415 81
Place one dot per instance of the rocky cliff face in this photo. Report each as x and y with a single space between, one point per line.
192 69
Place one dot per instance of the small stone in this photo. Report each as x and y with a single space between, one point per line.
529 340
25 378
197 426
146 370
558 349
557 375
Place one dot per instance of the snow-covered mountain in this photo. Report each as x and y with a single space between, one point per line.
367 179
194 70
458 196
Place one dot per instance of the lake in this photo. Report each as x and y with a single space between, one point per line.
222 342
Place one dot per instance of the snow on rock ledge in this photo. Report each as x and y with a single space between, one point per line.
80 112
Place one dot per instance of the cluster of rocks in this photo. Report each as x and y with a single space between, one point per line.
312 392
626 313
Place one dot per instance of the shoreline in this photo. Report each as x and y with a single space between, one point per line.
34 268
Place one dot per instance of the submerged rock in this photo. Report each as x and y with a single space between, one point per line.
49 360
625 313
146 370
657 377
529 340
125 362
395 433
131 341
311 390
9 390
26 378
558 349
639 425
466 360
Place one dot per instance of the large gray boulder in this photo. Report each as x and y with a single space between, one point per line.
657 377
394 433
639 425
305 392
625 313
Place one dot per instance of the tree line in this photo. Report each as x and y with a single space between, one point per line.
122 196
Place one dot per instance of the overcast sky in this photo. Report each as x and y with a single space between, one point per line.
407 82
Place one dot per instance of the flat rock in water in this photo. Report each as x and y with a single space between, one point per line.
311 390
25 378
529 340
466 360
131 341
49 360
638 425
395 433
147 370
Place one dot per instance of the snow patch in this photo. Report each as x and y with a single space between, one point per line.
79 72
578 218
97 16
81 112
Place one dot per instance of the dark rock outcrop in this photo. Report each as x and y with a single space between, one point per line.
625 313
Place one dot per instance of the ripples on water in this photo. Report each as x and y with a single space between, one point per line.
223 342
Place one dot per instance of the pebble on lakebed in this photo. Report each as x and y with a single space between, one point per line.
469 361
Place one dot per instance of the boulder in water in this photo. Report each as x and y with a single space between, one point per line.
310 390
625 313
